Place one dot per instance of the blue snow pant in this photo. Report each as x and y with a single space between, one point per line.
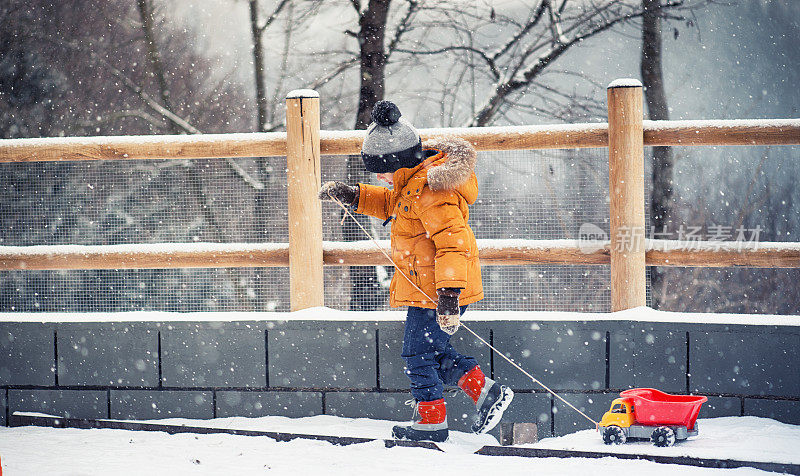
431 362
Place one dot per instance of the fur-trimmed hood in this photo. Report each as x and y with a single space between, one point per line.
459 164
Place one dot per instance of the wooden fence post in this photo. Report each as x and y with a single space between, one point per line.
626 189
305 210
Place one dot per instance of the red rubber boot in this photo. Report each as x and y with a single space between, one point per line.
472 383
491 399
430 423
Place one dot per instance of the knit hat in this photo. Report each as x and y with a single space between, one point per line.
392 143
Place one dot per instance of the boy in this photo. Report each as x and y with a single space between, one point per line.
437 258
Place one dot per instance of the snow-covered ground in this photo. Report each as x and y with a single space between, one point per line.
32 450
739 438
638 314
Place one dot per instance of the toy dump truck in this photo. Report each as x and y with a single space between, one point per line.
650 414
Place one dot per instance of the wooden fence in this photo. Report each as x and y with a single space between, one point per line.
625 134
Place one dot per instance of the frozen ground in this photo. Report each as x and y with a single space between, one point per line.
32 450
740 438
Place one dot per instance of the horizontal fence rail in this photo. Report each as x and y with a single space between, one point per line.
267 144
717 254
727 132
363 253
144 256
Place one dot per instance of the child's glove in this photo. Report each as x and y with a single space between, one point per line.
346 194
447 310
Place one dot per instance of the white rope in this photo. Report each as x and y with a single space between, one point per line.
535 380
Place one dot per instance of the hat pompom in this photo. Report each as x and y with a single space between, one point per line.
385 113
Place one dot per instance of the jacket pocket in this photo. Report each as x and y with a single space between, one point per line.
413 273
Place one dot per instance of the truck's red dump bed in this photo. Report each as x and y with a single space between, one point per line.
655 408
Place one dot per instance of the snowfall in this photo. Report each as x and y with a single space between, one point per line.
35 450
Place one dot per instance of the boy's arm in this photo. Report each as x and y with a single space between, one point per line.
443 221
373 201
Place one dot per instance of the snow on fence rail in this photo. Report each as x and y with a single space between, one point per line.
364 253
267 144
625 135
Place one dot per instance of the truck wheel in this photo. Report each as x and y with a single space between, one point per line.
614 435
663 436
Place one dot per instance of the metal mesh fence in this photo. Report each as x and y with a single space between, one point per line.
532 195
118 202
727 194
177 290
524 195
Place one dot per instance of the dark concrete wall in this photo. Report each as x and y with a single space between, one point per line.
144 370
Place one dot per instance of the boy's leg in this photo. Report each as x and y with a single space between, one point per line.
422 341
491 399
452 364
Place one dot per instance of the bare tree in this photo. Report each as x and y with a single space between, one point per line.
663 161
517 58
194 178
365 289
154 57
257 29
497 55
82 76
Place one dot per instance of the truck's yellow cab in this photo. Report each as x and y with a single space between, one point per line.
620 414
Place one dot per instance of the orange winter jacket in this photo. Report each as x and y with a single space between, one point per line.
431 240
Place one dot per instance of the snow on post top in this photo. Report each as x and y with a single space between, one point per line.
625 83
302 93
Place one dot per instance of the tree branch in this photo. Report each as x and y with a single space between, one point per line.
164 112
153 55
402 27
336 72
521 33
489 61
519 81
273 16
555 24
